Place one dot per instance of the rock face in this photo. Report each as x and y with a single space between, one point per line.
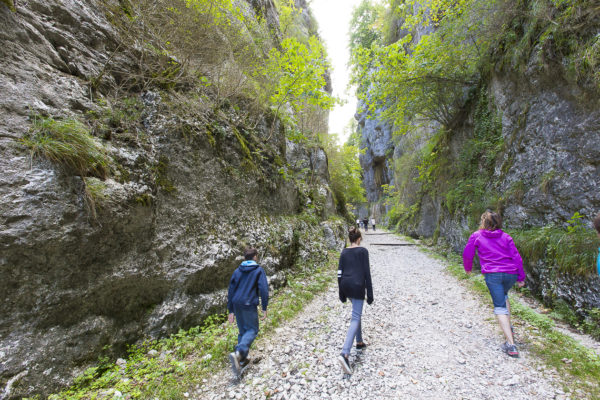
553 147
376 139
169 225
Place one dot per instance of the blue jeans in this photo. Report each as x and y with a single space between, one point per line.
354 331
247 322
499 283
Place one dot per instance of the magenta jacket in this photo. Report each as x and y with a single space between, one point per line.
497 253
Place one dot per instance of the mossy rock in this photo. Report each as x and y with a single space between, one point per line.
10 4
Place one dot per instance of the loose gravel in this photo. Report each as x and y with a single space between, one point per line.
428 338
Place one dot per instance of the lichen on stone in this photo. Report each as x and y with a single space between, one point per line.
10 4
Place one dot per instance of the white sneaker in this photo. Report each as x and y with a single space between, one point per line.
345 364
235 362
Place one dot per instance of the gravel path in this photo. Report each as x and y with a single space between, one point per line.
428 337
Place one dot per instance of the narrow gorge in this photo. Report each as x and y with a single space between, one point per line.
146 143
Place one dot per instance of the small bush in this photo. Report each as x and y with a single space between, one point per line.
571 251
69 143
562 311
591 323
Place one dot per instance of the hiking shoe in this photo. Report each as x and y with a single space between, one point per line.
244 362
361 345
235 362
343 360
510 349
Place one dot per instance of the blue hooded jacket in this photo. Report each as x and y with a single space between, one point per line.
247 282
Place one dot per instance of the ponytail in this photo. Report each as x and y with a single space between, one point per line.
354 234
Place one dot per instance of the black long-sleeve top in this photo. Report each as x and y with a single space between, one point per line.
354 274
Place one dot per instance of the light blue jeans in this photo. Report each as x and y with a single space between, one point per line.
354 331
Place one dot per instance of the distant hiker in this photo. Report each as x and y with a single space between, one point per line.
597 226
354 278
247 282
501 265
373 223
358 223
366 224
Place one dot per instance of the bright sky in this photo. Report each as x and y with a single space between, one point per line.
334 20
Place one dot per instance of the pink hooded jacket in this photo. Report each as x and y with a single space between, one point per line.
497 253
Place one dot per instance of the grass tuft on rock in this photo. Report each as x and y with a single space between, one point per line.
69 144
10 4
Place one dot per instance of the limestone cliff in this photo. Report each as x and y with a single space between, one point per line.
538 163
89 264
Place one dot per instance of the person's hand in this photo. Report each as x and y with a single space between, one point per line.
264 315
521 284
231 318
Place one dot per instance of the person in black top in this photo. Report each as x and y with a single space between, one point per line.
354 278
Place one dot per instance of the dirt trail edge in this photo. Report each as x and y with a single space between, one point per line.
428 337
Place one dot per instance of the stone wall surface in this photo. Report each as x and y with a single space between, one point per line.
375 160
170 224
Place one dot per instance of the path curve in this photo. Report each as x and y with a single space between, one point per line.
428 336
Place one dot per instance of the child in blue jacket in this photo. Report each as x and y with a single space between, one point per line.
597 226
247 283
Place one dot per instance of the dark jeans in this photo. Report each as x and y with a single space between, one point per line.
247 322
499 283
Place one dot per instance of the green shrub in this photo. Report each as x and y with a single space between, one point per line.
96 190
465 182
560 34
591 324
562 311
546 181
118 118
517 191
69 144
572 250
